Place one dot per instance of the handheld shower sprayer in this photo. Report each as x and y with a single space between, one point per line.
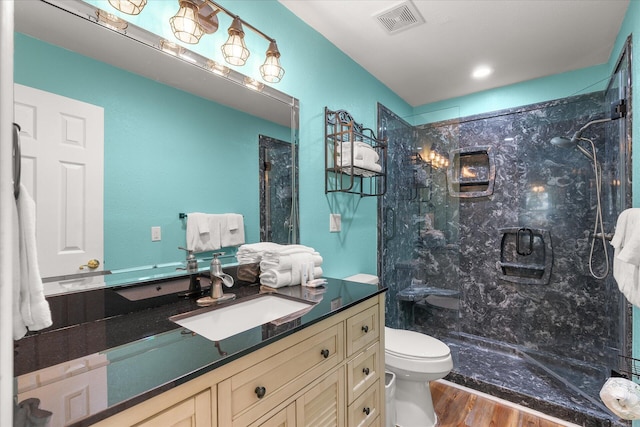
598 226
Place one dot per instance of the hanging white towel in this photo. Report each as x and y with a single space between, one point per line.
203 232
622 397
626 261
231 230
33 306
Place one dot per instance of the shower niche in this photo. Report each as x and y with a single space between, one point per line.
471 172
526 256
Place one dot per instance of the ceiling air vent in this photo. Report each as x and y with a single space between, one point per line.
400 17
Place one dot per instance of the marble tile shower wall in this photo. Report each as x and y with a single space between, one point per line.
537 186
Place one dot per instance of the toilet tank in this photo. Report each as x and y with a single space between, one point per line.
363 278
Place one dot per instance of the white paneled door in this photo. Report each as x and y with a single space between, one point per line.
62 169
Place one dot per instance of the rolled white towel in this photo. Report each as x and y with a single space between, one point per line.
622 397
279 279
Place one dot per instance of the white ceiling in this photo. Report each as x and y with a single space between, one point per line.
519 39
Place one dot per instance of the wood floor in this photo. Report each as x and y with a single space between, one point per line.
460 407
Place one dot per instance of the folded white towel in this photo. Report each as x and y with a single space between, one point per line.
361 151
626 261
252 252
622 397
34 308
231 230
284 262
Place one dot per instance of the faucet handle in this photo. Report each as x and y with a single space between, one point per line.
192 261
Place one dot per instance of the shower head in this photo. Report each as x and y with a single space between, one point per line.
563 142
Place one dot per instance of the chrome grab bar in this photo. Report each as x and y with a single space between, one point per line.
17 157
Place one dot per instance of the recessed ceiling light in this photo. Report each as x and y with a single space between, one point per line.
481 72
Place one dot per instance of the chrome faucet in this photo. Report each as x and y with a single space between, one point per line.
218 277
195 290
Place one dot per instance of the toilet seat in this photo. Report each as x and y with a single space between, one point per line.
410 353
413 345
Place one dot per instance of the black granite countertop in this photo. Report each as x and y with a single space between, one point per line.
130 351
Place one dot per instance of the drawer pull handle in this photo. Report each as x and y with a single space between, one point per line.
365 329
260 392
324 353
366 411
365 371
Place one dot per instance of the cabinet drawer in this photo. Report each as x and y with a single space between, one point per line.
362 330
364 410
271 381
362 371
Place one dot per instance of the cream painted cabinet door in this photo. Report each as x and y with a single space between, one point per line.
193 412
284 418
62 168
324 405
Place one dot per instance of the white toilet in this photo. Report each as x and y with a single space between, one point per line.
416 359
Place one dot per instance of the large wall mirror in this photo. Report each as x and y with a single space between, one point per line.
177 139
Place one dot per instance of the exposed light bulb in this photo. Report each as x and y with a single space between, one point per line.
253 84
234 50
130 7
185 24
217 68
271 70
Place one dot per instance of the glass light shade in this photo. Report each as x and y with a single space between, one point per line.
253 84
109 20
234 50
130 7
218 68
171 48
271 70
185 24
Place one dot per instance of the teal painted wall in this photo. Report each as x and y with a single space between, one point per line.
319 75
166 152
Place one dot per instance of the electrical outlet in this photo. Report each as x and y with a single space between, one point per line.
156 234
335 223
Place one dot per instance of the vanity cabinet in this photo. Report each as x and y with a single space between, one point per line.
327 374
192 412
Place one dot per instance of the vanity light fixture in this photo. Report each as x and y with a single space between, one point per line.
234 50
218 68
184 23
171 48
109 20
271 70
253 84
130 7
196 18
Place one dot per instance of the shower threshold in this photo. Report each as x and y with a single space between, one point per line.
506 372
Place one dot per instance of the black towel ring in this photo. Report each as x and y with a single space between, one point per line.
17 157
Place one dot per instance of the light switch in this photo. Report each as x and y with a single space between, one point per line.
335 223
156 234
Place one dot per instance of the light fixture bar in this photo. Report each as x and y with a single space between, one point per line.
244 23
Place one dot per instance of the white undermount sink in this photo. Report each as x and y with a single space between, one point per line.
220 322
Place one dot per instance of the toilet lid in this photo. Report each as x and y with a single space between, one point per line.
410 344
